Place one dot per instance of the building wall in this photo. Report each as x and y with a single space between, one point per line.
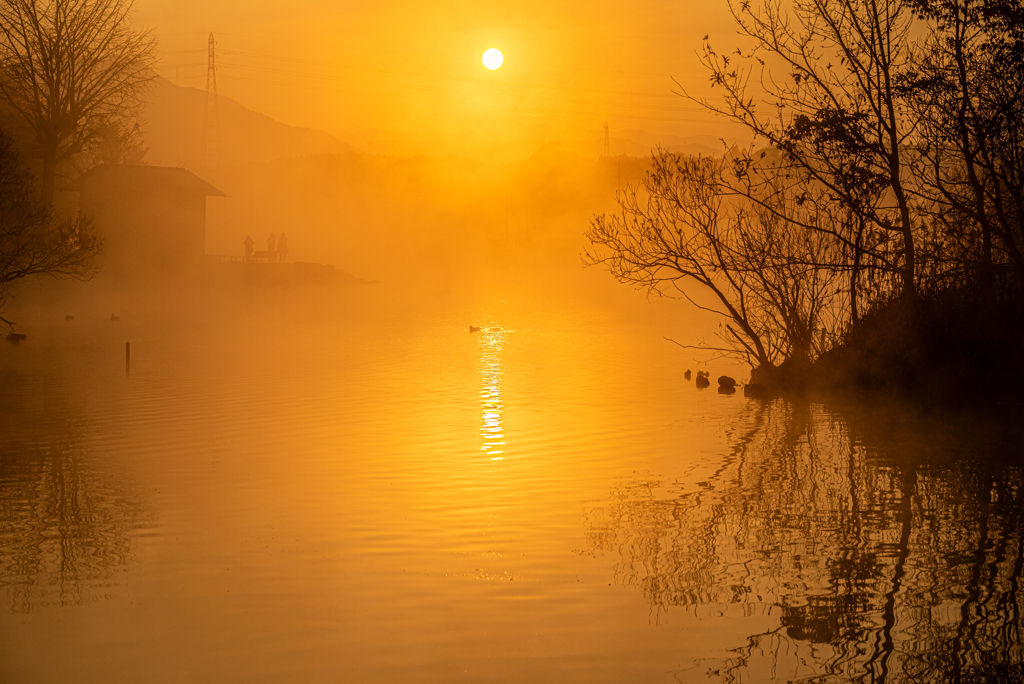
146 230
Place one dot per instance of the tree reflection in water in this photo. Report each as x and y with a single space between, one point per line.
885 547
65 524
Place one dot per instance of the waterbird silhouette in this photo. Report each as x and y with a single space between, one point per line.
69 317
473 329
15 338
114 318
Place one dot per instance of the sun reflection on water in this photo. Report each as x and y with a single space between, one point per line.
491 340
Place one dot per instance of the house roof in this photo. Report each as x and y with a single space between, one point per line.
131 176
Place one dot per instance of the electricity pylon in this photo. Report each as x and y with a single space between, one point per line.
211 115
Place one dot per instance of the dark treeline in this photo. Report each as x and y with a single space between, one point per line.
883 545
873 228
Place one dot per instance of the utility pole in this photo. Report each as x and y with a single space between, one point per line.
211 115
607 141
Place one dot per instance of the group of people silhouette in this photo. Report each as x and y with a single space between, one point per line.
277 249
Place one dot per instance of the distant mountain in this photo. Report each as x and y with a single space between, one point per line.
173 130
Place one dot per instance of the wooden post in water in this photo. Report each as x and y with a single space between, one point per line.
127 358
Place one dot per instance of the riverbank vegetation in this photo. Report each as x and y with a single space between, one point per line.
871 234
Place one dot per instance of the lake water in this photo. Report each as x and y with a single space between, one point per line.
348 486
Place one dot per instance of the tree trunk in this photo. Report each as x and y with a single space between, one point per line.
895 161
909 257
909 261
49 173
855 272
967 150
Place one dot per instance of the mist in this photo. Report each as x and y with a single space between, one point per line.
336 348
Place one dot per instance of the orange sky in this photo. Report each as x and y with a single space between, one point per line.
411 72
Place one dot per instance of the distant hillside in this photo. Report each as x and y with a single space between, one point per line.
173 128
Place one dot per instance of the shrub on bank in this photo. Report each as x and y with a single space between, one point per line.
949 346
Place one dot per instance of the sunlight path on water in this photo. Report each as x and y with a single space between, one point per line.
492 337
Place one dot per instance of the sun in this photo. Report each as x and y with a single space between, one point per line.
493 59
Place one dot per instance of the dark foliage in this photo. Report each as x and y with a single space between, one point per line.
33 240
950 347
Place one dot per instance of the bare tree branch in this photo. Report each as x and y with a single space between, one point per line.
69 71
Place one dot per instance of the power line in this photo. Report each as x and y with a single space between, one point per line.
421 55
449 90
444 76
465 79
398 95
212 133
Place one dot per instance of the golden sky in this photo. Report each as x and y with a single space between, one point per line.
404 71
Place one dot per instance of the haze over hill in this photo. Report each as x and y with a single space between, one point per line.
352 205
389 200
173 127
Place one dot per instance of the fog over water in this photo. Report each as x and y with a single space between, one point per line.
680 344
310 484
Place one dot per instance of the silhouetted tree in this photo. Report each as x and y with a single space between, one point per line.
835 107
967 87
69 70
33 241
773 281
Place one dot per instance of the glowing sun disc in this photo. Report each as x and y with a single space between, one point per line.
493 59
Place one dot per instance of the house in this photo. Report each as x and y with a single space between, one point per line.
152 219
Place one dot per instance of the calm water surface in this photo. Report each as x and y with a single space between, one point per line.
349 486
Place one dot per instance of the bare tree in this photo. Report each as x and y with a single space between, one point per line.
682 234
69 70
829 97
33 241
782 191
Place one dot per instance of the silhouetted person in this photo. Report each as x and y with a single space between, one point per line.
248 248
282 248
270 247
